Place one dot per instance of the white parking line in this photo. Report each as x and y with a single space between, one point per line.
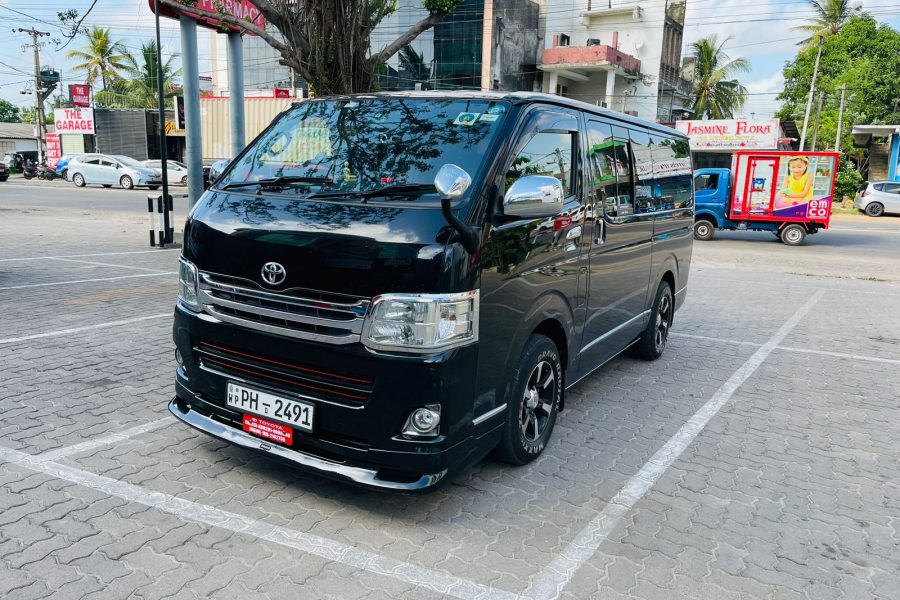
331 550
102 264
90 255
36 336
550 583
121 436
713 339
37 285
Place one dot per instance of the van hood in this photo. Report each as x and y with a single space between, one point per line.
338 247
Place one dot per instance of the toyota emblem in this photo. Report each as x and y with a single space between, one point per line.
273 273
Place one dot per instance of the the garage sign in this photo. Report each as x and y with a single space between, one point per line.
74 120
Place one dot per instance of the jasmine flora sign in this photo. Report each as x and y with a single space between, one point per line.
731 134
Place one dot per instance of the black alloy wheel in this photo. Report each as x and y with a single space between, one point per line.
535 402
652 342
875 209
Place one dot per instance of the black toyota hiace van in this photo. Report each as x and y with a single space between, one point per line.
385 288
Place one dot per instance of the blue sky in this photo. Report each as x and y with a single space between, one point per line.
760 32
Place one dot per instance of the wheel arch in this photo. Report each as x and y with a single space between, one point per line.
705 215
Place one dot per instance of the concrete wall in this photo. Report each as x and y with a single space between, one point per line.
517 42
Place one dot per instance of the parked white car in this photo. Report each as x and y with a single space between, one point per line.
177 171
109 170
878 197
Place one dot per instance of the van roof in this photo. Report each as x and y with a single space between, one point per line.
522 98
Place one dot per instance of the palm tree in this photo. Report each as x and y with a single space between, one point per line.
100 56
717 94
830 17
140 88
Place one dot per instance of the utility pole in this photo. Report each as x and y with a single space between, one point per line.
812 90
39 96
161 107
837 137
816 128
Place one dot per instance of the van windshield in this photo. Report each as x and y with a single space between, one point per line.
363 144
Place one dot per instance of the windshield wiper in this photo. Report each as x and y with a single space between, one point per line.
389 190
278 181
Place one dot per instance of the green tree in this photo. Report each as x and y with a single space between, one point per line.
9 113
137 87
864 56
717 94
101 57
830 17
28 115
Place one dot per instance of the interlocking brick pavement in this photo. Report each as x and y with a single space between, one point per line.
789 492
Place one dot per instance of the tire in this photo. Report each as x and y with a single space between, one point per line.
875 209
107 185
65 174
78 180
126 182
652 342
536 398
793 235
704 230
184 180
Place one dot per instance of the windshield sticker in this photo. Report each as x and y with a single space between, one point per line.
489 117
497 109
466 118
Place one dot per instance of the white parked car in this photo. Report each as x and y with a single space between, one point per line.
109 170
177 171
878 197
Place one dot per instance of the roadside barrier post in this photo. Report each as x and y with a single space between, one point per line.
159 210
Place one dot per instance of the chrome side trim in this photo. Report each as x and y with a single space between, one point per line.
616 329
489 414
359 475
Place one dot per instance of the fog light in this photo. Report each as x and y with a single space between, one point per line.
424 421
178 358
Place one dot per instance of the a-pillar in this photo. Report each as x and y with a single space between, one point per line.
610 88
236 89
193 150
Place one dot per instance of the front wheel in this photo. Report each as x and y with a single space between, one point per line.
793 235
78 180
652 342
184 180
875 209
704 230
126 182
536 398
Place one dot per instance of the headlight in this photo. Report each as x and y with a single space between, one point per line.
422 322
187 284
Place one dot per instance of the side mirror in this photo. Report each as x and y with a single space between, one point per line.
452 181
533 196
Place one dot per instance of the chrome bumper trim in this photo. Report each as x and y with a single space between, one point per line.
491 413
367 477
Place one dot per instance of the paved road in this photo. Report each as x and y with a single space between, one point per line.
61 194
758 459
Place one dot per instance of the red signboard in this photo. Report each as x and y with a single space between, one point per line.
268 429
80 95
54 149
206 12
282 93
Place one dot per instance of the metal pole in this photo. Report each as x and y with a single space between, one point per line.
236 89
837 137
812 89
191 73
163 151
38 113
816 128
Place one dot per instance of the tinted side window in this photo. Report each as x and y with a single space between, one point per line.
709 181
643 172
892 188
603 168
671 184
93 161
878 186
547 153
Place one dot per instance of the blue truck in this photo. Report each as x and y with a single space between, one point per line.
786 193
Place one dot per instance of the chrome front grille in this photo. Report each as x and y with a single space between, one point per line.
297 313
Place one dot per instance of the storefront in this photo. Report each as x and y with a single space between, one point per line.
713 142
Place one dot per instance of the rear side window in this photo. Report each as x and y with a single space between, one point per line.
93 161
672 176
547 153
892 188
879 187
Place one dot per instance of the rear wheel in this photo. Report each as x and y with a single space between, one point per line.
536 397
78 180
875 209
126 182
793 235
652 342
184 180
704 230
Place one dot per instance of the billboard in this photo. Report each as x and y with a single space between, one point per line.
54 149
731 134
80 95
205 12
74 120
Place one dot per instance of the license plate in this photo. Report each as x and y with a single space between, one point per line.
290 412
